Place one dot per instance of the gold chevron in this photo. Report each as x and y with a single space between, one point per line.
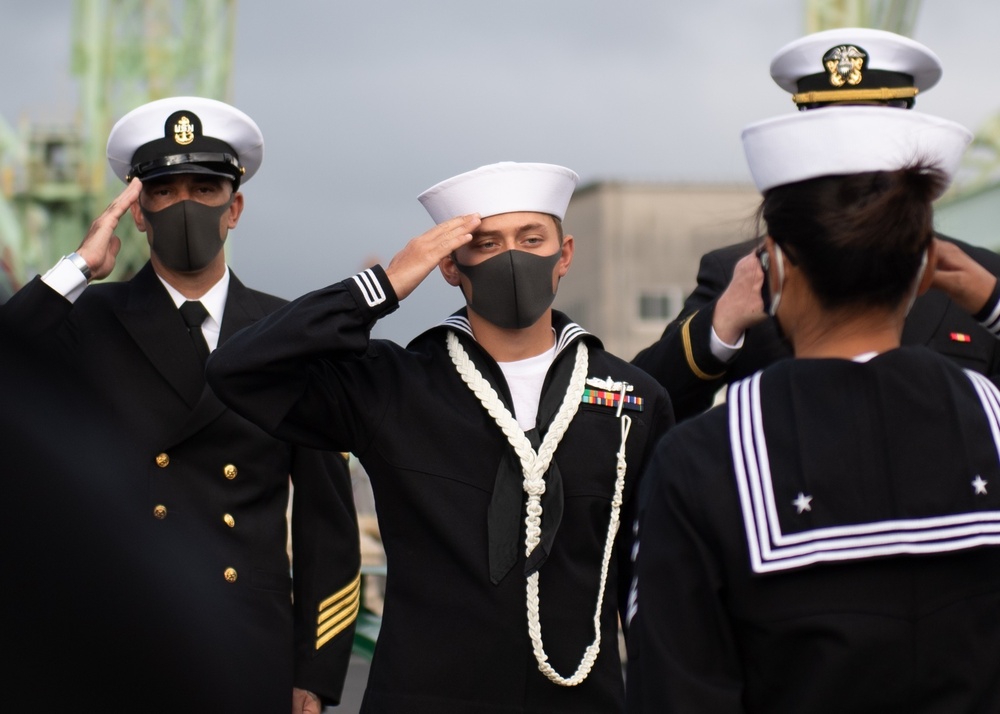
338 611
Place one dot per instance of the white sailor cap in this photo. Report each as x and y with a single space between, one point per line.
506 187
849 140
854 64
185 135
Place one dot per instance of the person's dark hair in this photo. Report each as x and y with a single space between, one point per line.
858 238
559 227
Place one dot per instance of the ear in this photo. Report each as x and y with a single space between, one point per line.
928 275
568 246
450 271
235 209
140 221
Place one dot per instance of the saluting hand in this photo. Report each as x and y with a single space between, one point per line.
421 255
101 245
961 278
740 306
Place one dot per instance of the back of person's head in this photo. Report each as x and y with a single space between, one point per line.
858 238
848 194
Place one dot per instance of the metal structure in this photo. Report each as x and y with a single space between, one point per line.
899 16
53 175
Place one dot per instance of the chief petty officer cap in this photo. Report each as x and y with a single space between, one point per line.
836 141
855 64
184 135
505 187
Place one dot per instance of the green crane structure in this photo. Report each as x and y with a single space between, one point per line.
53 174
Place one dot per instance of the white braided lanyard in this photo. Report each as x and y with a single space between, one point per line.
534 465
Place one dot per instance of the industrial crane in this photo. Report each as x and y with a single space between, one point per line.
53 176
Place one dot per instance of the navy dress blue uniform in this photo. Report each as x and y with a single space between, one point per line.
213 491
231 624
682 361
858 586
827 539
451 640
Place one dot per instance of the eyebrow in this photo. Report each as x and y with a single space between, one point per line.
526 228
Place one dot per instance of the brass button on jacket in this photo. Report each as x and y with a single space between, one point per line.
230 575
162 460
230 471
230 521
160 512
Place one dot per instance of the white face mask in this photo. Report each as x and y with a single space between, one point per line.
916 282
779 264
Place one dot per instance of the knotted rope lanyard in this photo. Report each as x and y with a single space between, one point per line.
534 465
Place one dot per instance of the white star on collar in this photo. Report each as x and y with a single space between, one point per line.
979 485
802 503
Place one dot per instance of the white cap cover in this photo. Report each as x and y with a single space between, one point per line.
208 128
886 52
505 187
835 141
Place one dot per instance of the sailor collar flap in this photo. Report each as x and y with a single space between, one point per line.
567 331
787 526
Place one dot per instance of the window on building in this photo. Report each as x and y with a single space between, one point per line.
660 305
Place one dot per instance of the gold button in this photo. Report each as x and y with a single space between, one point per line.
162 460
230 575
230 471
160 512
230 521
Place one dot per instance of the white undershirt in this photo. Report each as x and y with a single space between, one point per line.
214 301
525 378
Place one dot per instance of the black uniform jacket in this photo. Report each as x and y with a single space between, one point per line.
451 640
206 492
682 360
825 541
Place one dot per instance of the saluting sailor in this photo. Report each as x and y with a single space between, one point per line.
504 448
212 486
827 540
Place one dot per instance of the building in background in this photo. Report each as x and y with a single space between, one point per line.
637 251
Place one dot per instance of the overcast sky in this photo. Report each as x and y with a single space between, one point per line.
365 104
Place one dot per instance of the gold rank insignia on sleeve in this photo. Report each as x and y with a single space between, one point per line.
338 611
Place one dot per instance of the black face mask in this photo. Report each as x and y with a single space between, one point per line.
186 235
513 289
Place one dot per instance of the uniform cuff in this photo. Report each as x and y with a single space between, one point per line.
722 351
989 316
373 291
696 336
66 279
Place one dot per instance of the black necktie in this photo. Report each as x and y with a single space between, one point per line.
194 313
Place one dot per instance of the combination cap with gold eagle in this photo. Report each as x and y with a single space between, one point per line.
855 65
185 135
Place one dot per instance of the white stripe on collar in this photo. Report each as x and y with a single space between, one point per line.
772 550
569 334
